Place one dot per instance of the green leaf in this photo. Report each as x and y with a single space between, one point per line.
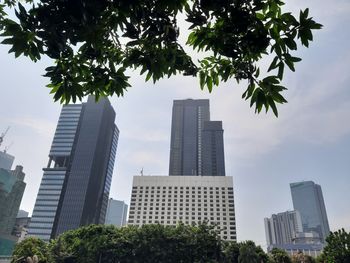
273 106
210 83
149 75
280 70
202 79
273 65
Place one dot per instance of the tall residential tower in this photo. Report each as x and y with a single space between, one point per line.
75 186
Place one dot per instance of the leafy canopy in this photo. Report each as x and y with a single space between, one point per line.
94 42
337 249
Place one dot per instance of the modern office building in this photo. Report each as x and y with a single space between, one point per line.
308 200
6 160
213 158
75 186
168 200
195 138
116 212
11 192
282 228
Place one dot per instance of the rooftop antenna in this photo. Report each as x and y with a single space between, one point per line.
141 172
2 136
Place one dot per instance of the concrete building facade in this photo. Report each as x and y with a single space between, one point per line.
168 200
282 228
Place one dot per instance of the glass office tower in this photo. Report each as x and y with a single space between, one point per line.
308 200
194 140
75 186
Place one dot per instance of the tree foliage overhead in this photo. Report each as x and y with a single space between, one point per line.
94 42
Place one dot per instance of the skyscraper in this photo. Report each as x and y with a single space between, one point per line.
188 147
197 189
308 200
116 212
11 192
75 186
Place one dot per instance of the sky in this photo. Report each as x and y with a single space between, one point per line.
309 141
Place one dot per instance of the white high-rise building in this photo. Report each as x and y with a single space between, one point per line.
168 200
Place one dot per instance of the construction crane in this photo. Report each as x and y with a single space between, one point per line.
2 136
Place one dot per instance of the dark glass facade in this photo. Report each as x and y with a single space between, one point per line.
75 186
196 146
213 158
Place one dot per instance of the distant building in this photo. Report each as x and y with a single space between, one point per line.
168 200
20 230
6 160
313 250
11 192
308 200
116 212
75 186
282 228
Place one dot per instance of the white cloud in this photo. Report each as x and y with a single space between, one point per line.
42 127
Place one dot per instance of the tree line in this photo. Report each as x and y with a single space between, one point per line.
166 244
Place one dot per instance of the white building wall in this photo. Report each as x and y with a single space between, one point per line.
168 200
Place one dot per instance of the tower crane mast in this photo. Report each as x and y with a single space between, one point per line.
2 136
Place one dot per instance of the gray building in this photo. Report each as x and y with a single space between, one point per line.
116 212
195 138
282 228
308 200
11 192
20 229
213 158
6 160
75 186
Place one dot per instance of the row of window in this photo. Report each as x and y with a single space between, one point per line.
182 187
174 204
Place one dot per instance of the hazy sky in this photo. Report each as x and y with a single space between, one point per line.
309 141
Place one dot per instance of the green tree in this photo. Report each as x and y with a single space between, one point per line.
231 252
262 256
280 256
31 247
146 244
248 253
93 42
301 258
337 249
